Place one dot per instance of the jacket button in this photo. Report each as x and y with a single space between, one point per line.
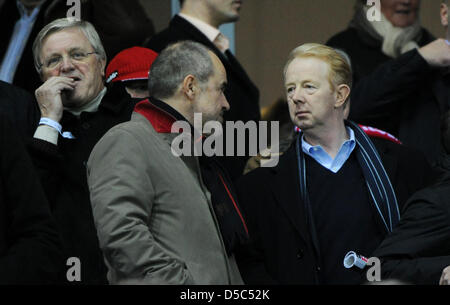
86 125
318 269
300 254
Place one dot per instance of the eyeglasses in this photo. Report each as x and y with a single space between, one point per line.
75 57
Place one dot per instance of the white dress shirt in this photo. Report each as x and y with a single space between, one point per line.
212 33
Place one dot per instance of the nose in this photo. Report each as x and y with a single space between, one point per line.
406 2
297 96
67 65
225 104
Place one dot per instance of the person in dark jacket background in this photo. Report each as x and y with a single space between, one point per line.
199 21
21 109
419 248
370 43
30 249
130 69
401 77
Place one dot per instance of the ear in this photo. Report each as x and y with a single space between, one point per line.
444 14
189 87
342 93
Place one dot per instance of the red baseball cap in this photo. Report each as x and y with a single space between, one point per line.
130 64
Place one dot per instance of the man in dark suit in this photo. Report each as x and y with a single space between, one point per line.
419 248
199 21
333 191
29 243
20 107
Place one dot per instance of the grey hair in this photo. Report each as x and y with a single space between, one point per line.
176 62
67 23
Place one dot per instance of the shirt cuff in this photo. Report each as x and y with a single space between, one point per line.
47 133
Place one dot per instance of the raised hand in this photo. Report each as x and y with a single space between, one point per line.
49 97
436 53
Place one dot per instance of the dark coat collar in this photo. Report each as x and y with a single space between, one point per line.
286 189
189 29
116 100
229 61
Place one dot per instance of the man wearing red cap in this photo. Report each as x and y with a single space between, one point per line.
130 67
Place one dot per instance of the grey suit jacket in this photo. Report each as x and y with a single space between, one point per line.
153 215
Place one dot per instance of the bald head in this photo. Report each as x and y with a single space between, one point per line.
174 63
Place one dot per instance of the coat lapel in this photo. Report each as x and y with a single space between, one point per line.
285 188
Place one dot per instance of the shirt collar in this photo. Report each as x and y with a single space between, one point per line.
324 159
92 106
207 30
308 147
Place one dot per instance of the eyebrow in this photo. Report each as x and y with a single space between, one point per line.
310 81
70 50
302 83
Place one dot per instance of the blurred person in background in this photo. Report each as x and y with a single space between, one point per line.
200 21
401 73
130 69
